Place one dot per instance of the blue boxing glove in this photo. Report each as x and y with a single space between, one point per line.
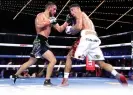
71 30
68 30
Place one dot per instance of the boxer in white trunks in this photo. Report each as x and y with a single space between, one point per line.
87 45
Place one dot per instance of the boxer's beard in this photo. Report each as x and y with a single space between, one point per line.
50 14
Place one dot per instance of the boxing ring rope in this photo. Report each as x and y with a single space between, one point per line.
119 18
63 8
96 8
118 34
64 57
31 1
28 35
28 45
65 47
62 66
132 48
52 46
102 20
22 9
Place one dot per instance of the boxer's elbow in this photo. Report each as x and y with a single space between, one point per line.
40 26
79 27
63 27
59 28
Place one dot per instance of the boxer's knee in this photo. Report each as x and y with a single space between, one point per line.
69 59
102 64
50 57
32 59
105 66
70 54
53 61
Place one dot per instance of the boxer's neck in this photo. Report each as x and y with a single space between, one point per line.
46 13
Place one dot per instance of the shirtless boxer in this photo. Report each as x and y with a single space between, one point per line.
87 46
43 23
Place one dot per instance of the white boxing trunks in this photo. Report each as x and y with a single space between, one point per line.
88 47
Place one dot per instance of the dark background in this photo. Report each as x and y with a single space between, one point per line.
109 12
102 18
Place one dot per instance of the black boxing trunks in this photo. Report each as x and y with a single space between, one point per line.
40 46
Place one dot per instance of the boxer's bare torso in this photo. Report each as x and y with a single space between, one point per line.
45 31
87 24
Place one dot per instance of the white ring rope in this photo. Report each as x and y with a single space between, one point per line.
31 1
119 18
27 45
27 35
67 47
61 66
118 34
63 8
22 9
62 57
96 8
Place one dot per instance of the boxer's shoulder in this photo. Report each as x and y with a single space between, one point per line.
83 13
41 15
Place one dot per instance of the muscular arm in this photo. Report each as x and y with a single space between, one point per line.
41 21
77 27
61 28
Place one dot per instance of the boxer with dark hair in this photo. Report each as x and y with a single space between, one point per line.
43 23
87 45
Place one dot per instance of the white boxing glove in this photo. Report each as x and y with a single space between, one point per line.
53 20
68 29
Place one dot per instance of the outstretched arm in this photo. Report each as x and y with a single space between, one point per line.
61 28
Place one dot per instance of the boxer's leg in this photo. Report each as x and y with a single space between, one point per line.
67 70
109 68
52 61
68 64
96 54
35 52
27 64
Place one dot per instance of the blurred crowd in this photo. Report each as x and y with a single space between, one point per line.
58 72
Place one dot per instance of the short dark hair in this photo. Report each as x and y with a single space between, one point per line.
49 4
74 5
